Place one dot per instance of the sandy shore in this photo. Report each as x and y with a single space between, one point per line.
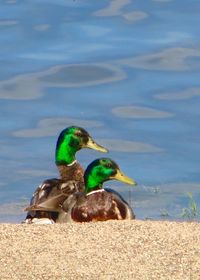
104 250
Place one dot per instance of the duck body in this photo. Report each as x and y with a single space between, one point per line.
52 192
96 203
99 205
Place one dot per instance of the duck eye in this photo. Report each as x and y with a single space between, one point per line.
78 133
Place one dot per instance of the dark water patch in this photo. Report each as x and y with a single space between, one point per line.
80 75
7 23
52 126
171 59
184 94
139 112
126 146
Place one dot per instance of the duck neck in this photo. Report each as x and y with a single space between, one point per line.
93 189
72 171
94 178
65 154
92 183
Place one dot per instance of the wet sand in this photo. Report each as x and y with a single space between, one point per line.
103 250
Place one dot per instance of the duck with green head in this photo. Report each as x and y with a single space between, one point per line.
96 203
53 192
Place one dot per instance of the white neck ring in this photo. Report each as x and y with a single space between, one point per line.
96 191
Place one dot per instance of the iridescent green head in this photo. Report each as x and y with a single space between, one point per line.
71 140
102 170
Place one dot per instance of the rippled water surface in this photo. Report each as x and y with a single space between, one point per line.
127 71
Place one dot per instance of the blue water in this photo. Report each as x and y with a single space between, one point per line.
127 71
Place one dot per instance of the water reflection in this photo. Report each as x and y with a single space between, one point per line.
42 27
162 1
172 59
10 1
113 9
129 146
59 76
135 16
52 126
116 8
179 95
19 88
82 75
7 23
139 112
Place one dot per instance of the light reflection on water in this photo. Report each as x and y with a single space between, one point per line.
127 71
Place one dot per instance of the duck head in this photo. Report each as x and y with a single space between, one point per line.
102 170
71 140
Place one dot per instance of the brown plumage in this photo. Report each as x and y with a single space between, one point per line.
74 172
101 205
51 195
52 192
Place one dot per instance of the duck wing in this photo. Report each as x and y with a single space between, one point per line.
50 195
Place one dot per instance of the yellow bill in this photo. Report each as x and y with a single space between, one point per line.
120 176
91 144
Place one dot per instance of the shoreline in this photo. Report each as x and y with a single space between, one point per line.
103 250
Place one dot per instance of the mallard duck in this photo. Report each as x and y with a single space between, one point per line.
95 203
55 191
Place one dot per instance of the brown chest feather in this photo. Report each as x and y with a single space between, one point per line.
101 206
74 172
